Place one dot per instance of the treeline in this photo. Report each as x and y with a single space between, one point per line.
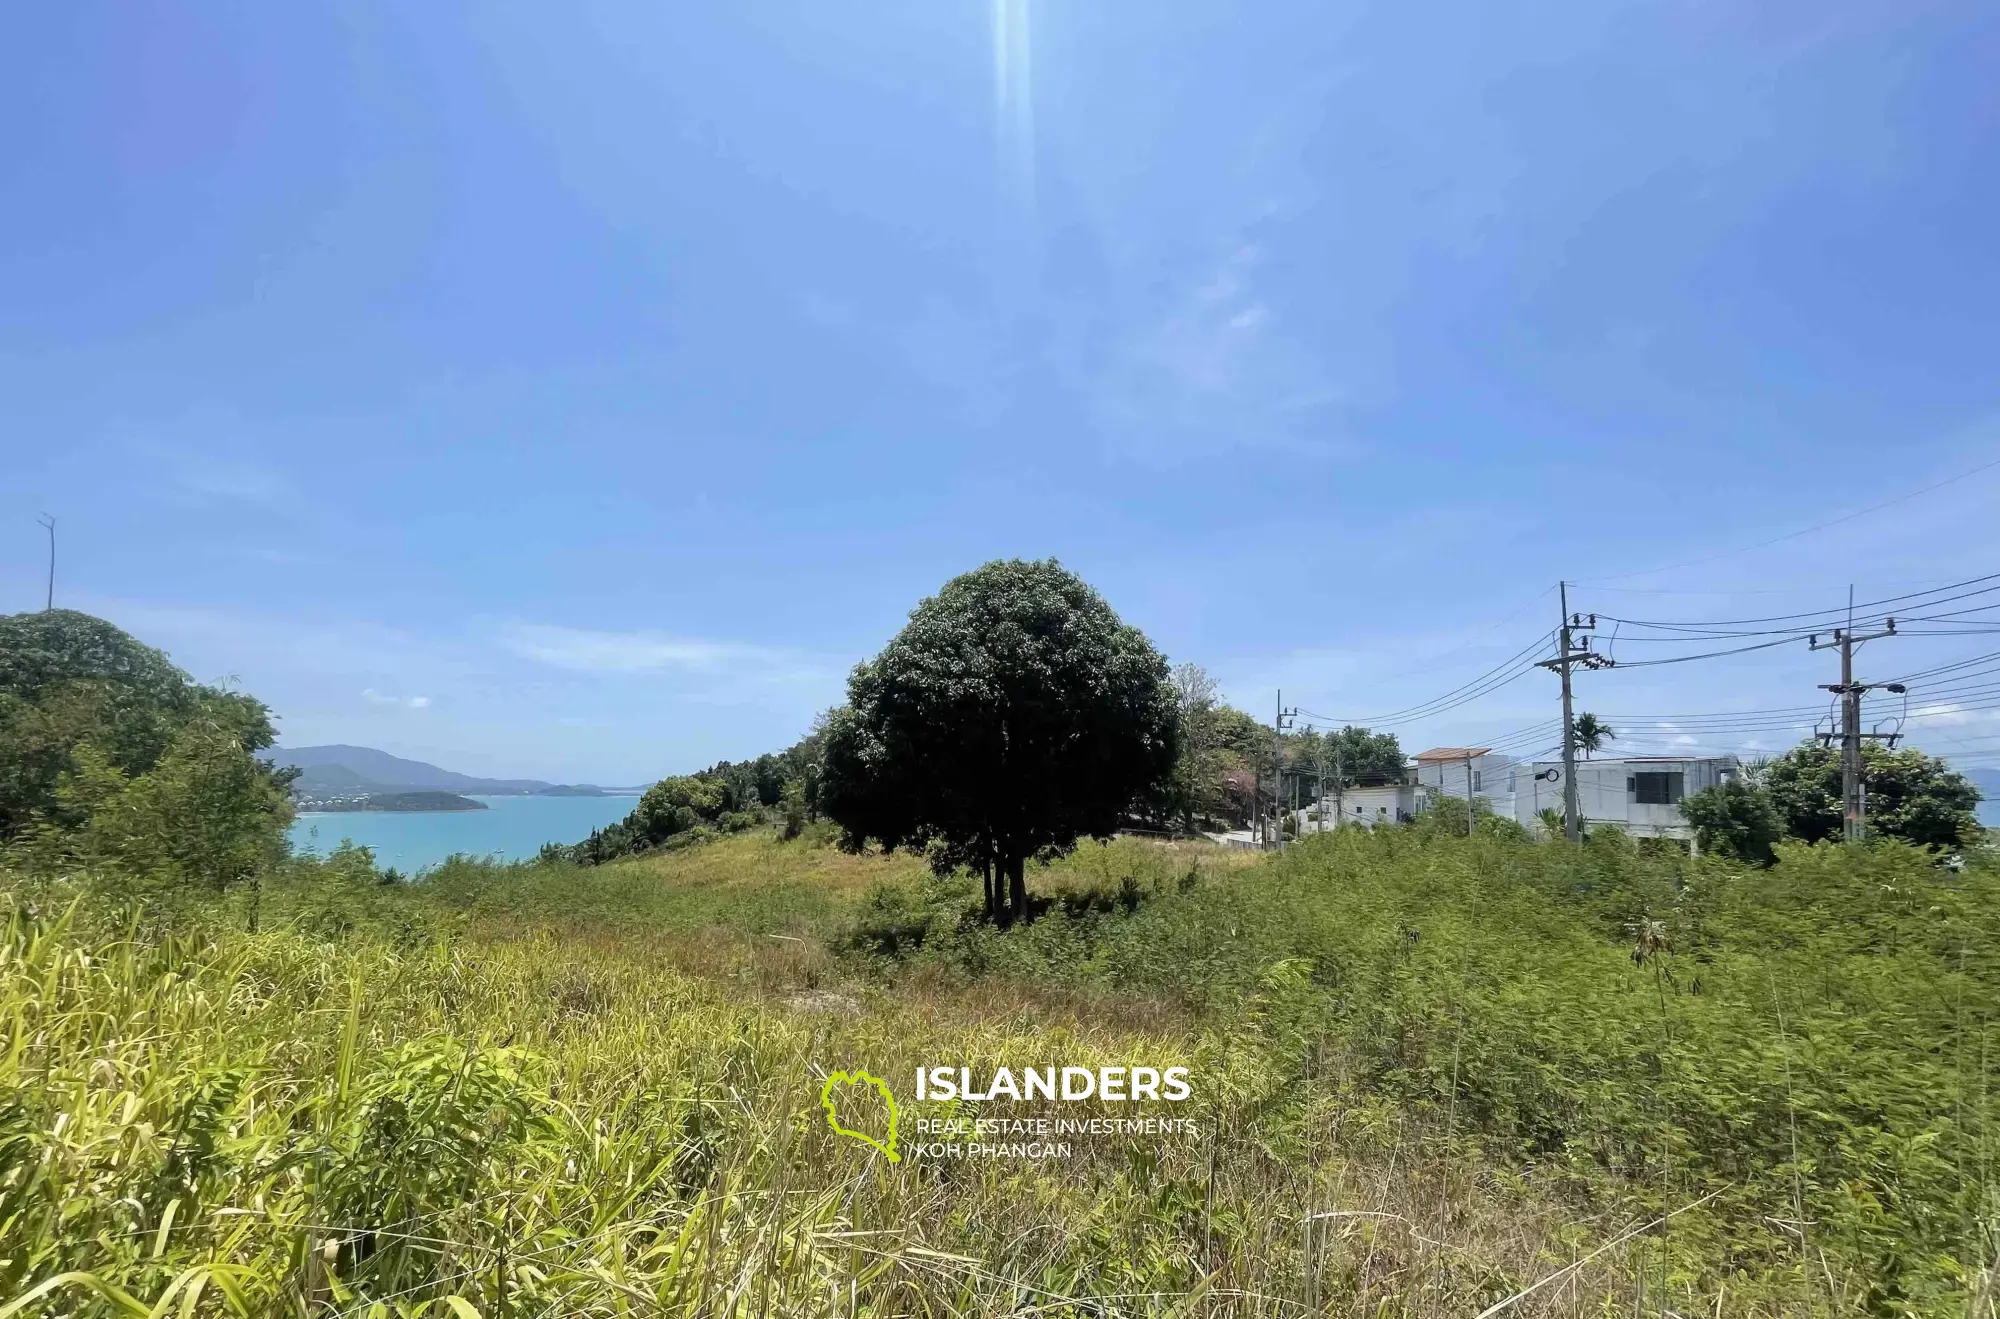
1226 758
1222 750
113 760
1217 756
686 810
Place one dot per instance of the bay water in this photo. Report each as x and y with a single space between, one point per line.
510 829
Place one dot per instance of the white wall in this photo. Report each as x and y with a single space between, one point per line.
1489 774
1605 794
1372 806
1492 774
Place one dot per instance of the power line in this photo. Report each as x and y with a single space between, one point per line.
1807 531
1945 668
1830 616
1712 654
1491 681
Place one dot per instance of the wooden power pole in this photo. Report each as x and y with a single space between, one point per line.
1568 657
1279 723
1853 807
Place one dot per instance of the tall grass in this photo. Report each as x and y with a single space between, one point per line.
1430 1076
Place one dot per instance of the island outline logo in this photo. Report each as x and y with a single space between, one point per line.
859 1077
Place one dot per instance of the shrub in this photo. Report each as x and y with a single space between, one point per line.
1735 819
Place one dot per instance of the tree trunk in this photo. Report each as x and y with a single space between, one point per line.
1017 887
992 899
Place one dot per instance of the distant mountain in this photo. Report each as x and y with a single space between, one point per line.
327 779
332 769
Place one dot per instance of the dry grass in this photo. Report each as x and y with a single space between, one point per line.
600 1096
219 1123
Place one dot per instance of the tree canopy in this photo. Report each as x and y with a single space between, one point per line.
111 755
1910 795
1735 819
1350 755
1013 714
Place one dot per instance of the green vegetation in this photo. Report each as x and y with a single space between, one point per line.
1437 1068
1431 1072
1013 714
1735 819
688 810
113 759
1911 796
418 800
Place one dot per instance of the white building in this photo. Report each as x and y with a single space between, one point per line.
1639 794
1387 803
1459 771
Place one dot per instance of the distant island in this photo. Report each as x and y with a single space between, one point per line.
418 801
346 778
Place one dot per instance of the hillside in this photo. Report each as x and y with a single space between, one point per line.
1430 1073
340 766
422 800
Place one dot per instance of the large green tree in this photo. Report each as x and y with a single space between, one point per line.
1012 715
1363 757
1910 795
110 755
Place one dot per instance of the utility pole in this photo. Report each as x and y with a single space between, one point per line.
1319 783
1567 657
1471 822
1853 802
1339 786
49 522
1279 723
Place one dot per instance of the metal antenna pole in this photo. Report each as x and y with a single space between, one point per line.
50 522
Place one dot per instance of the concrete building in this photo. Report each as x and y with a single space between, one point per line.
1387 803
1457 771
1639 794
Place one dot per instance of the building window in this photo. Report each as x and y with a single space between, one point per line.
1658 788
1476 776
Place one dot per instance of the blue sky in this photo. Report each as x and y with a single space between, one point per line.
580 390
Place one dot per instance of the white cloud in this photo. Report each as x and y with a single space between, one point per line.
637 653
212 476
591 651
1213 370
374 697
1952 714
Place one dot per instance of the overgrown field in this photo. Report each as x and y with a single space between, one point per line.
1430 1074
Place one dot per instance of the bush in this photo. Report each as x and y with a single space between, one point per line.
1614 1010
1735 819
735 822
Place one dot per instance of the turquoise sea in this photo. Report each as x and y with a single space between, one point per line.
511 829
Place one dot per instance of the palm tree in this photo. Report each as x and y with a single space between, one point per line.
1592 734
